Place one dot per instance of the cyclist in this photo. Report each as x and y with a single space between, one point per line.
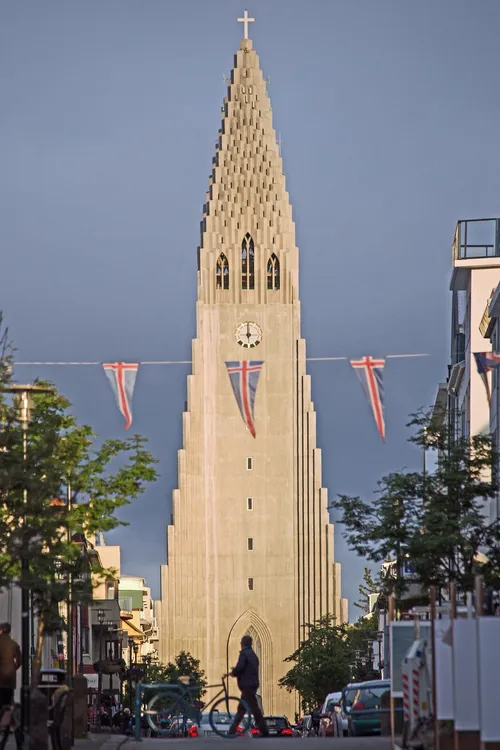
246 672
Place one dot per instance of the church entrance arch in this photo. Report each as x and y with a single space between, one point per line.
250 623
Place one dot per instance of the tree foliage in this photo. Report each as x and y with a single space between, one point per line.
366 588
321 663
329 658
184 665
44 463
436 519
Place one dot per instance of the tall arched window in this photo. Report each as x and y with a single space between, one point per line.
222 272
273 272
247 263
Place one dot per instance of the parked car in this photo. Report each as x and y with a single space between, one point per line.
366 710
278 726
332 701
340 718
205 729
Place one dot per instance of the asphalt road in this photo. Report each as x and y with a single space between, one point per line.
301 743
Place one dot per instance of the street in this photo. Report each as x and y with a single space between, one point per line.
347 743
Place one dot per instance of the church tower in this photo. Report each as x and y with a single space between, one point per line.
250 546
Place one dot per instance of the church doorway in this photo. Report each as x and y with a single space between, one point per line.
257 647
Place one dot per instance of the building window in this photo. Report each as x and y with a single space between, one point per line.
222 272
250 584
250 544
247 263
273 272
110 590
249 503
249 463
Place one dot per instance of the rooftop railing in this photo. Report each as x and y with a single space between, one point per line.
477 238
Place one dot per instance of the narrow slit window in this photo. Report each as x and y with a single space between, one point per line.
222 272
249 463
273 272
250 584
247 263
249 503
250 544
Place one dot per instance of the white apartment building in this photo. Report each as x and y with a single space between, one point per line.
475 276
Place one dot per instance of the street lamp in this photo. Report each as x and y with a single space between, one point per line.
130 649
136 651
101 615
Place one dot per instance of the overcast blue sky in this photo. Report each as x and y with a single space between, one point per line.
389 118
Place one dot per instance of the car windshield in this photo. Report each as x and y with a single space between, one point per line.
370 697
275 721
331 703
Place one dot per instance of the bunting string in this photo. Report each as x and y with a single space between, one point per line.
189 362
244 377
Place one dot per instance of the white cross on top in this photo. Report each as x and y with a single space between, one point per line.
245 21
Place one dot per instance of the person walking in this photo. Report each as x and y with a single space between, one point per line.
246 672
10 661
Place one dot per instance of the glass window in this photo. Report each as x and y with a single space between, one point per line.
249 503
250 584
250 543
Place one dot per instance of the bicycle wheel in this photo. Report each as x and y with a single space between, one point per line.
166 713
222 715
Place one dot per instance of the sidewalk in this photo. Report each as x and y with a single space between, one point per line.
91 742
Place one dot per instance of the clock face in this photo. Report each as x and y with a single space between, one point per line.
248 334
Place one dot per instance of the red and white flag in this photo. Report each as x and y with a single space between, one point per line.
370 373
122 376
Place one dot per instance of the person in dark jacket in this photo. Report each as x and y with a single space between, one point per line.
10 661
246 672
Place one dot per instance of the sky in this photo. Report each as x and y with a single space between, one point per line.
388 115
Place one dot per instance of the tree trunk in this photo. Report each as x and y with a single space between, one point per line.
37 660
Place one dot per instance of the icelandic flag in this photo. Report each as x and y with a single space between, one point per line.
122 377
486 361
370 373
244 377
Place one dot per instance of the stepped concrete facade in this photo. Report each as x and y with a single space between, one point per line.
250 548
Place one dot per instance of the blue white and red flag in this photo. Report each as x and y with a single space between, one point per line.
370 374
244 377
486 361
122 376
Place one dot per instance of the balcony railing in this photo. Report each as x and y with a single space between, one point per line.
477 238
125 603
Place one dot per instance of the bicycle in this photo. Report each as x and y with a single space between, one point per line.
170 710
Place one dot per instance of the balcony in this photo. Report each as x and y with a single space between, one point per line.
476 238
126 611
476 244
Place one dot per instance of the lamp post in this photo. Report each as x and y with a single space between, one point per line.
110 654
130 649
136 651
100 616
23 397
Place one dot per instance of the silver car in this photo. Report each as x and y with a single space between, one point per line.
340 718
223 724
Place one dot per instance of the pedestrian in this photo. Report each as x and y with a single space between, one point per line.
316 720
10 661
246 672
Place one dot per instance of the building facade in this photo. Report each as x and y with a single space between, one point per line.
463 399
250 549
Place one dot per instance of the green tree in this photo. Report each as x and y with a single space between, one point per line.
360 636
434 519
369 586
184 665
54 459
322 663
